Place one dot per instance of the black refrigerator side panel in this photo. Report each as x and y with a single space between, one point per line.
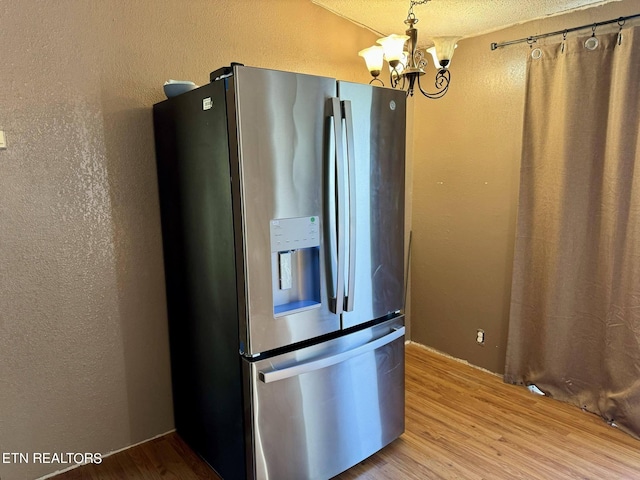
197 226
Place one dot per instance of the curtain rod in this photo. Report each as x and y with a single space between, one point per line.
534 38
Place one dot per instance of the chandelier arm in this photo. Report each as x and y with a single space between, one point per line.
394 77
443 77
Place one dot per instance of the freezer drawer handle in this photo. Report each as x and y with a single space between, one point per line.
275 375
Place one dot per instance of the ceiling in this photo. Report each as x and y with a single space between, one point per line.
460 18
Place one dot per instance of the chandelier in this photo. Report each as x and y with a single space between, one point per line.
407 66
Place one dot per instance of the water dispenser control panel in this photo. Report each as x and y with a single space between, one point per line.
294 233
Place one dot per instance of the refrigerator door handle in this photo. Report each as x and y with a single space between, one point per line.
324 362
336 113
351 169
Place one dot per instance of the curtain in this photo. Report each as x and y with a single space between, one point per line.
574 328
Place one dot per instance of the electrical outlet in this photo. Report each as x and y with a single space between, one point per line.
480 336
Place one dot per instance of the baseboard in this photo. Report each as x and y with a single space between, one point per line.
460 360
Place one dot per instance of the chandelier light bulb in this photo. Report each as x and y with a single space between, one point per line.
393 46
444 48
373 57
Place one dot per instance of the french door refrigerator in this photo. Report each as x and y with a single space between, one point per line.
282 206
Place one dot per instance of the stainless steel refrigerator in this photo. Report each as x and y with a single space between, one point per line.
282 206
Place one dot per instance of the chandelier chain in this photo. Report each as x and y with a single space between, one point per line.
410 14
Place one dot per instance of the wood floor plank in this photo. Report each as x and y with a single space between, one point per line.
461 423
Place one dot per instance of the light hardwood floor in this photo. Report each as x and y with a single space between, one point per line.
461 423
464 423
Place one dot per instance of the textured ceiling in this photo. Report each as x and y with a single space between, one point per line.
460 18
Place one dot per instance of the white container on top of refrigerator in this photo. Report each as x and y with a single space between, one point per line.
282 206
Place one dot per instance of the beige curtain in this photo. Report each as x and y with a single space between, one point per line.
574 328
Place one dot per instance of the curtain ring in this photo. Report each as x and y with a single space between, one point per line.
536 54
592 42
621 22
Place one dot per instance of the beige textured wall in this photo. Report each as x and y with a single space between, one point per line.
466 174
84 361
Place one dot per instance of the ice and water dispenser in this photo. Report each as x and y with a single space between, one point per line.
295 264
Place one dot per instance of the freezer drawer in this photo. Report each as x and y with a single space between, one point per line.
322 409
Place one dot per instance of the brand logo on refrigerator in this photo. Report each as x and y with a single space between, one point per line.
392 105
